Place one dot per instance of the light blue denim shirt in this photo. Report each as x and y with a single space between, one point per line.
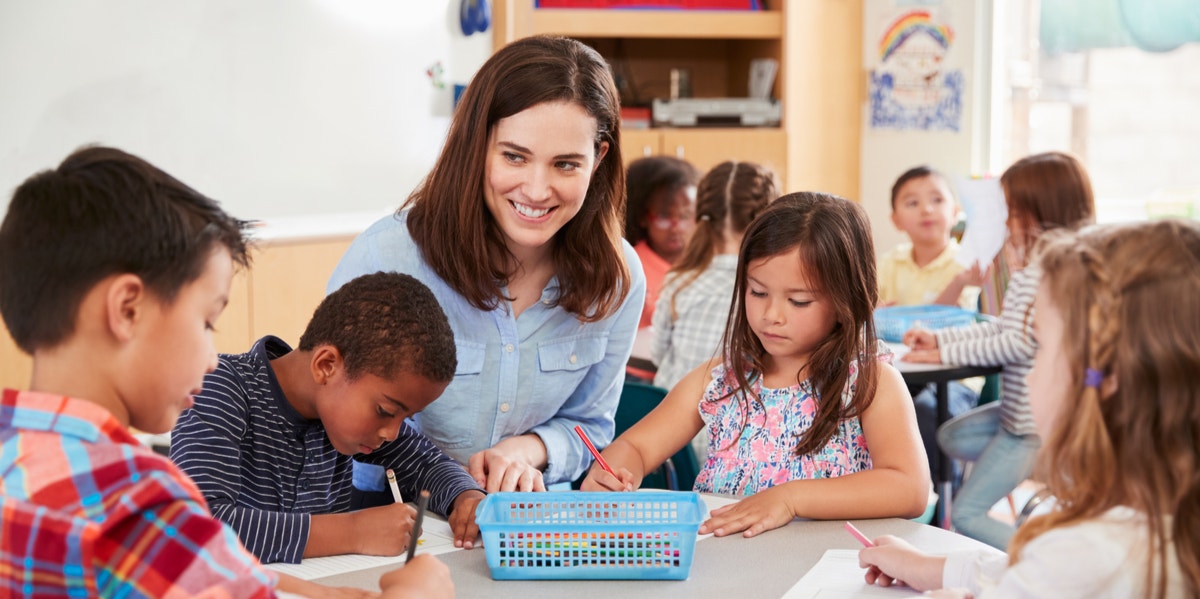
543 372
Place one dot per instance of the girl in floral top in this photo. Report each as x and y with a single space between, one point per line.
805 415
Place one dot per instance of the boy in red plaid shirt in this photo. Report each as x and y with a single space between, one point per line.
112 274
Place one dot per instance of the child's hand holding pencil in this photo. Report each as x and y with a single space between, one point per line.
602 477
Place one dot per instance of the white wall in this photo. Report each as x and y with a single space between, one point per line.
887 153
274 107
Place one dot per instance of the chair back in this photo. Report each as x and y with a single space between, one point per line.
680 470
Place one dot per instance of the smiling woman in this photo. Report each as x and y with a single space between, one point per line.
518 234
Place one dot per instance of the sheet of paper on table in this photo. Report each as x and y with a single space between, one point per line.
436 539
837 576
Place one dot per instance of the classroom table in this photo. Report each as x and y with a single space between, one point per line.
734 566
941 374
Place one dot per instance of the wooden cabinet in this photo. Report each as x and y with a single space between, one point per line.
276 296
706 148
818 44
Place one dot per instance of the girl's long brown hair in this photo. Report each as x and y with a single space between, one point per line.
1044 192
449 221
831 238
727 200
1129 297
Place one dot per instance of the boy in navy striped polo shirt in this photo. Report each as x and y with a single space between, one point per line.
272 436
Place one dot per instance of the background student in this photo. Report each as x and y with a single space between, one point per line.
112 275
517 230
924 271
1115 397
1042 192
273 435
659 218
698 291
802 417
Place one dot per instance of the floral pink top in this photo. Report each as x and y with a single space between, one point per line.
746 461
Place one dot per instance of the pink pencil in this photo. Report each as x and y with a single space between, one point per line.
595 452
856 533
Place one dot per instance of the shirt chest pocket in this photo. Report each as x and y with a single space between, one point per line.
452 420
563 364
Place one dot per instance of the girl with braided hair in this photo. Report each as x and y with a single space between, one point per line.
1116 400
692 308
1043 192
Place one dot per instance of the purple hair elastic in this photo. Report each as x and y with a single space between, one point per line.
1092 378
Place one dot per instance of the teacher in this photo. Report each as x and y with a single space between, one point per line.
517 230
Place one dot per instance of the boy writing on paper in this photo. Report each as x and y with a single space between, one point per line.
275 431
112 274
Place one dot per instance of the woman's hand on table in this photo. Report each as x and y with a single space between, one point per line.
462 519
755 514
514 464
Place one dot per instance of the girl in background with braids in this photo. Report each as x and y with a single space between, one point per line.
1043 192
690 316
1116 397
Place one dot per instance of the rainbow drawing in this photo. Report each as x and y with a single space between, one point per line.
909 24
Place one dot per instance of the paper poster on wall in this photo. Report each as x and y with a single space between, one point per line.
915 84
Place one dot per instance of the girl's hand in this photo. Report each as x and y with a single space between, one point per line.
893 562
923 356
919 338
600 480
462 519
755 514
974 276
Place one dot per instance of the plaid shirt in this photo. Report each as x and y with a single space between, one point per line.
88 511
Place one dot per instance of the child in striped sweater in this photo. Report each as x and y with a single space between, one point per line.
1042 192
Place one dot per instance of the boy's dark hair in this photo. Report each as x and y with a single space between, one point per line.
383 324
916 172
101 212
646 177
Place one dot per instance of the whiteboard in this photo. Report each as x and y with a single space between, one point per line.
274 107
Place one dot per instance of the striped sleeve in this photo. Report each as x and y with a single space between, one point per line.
420 465
1008 341
206 444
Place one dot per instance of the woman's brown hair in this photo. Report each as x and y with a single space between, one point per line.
1129 297
1044 192
449 220
831 238
727 200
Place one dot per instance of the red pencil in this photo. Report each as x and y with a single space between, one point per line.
595 452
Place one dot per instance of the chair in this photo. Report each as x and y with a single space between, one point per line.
680 470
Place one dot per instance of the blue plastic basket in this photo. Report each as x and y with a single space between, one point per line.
893 321
576 535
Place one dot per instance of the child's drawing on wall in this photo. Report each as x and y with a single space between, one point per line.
911 88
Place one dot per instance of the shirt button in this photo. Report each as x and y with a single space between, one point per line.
509 348
547 302
573 359
504 407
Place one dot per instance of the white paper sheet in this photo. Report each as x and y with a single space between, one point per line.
436 538
983 202
837 576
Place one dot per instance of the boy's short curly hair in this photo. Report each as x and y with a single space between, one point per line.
384 324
